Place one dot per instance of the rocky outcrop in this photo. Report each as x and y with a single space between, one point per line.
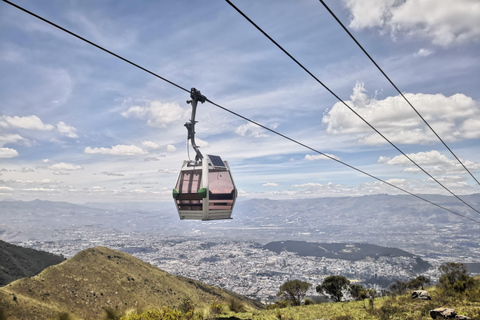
446 313
421 295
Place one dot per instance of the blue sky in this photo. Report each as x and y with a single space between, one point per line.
77 124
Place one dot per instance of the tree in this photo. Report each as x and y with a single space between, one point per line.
371 295
398 287
333 286
355 290
294 291
419 281
455 277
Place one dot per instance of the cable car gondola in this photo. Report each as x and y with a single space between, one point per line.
205 189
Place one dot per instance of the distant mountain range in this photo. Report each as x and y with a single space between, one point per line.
18 262
400 221
99 278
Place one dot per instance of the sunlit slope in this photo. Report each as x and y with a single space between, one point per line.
99 278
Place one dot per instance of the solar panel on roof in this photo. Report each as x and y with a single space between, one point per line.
216 161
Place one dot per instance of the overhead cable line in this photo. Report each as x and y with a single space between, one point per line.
396 88
337 160
350 108
96 45
245 118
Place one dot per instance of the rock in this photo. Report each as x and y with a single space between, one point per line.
421 294
443 313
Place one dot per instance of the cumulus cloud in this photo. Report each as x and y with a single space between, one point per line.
171 148
157 114
108 173
432 161
8 153
29 122
10 138
65 166
442 22
151 159
451 117
66 130
251 130
270 184
320 157
150 145
424 52
118 150
308 185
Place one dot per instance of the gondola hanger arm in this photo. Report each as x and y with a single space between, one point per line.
196 96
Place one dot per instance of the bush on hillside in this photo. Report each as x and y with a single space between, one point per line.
334 286
186 306
455 277
165 313
215 309
236 305
294 291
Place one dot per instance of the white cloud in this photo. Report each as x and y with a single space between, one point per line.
150 145
442 21
65 166
432 161
29 122
8 153
252 130
6 189
171 148
308 185
169 171
157 114
199 142
270 184
10 138
119 150
108 173
424 52
450 117
320 157
66 130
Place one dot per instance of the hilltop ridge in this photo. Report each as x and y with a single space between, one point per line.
99 278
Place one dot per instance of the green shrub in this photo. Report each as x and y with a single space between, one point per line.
63 316
308 302
215 309
236 305
186 306
112 314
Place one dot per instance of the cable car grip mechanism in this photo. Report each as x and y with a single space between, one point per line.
196 96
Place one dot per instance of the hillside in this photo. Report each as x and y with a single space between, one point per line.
344 251
99 278
18 262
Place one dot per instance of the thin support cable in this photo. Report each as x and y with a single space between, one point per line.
249 120
339 161
96 45
396 88
350 108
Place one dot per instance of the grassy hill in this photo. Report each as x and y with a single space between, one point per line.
99 278
18 262
400 307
